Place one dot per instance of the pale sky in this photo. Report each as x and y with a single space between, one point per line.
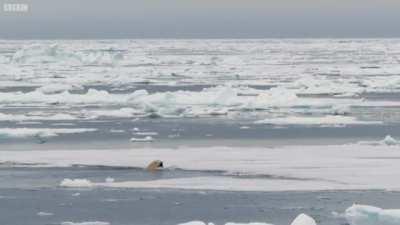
49 19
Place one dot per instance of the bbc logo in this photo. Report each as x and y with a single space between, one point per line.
15 7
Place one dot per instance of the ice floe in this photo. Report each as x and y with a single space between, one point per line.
144 139
229 223
36 116
370 215
86 223
75 183
303 219
109 180
388 141
333 167
40 132
325 120
44 214
57 88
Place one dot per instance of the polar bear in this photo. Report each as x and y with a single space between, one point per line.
155 165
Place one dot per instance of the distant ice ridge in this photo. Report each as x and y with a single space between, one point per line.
370 215
301 219
215 101
53 53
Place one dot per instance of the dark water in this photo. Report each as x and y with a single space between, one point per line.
159 207
25 191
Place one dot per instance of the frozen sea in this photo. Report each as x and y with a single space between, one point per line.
249 130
